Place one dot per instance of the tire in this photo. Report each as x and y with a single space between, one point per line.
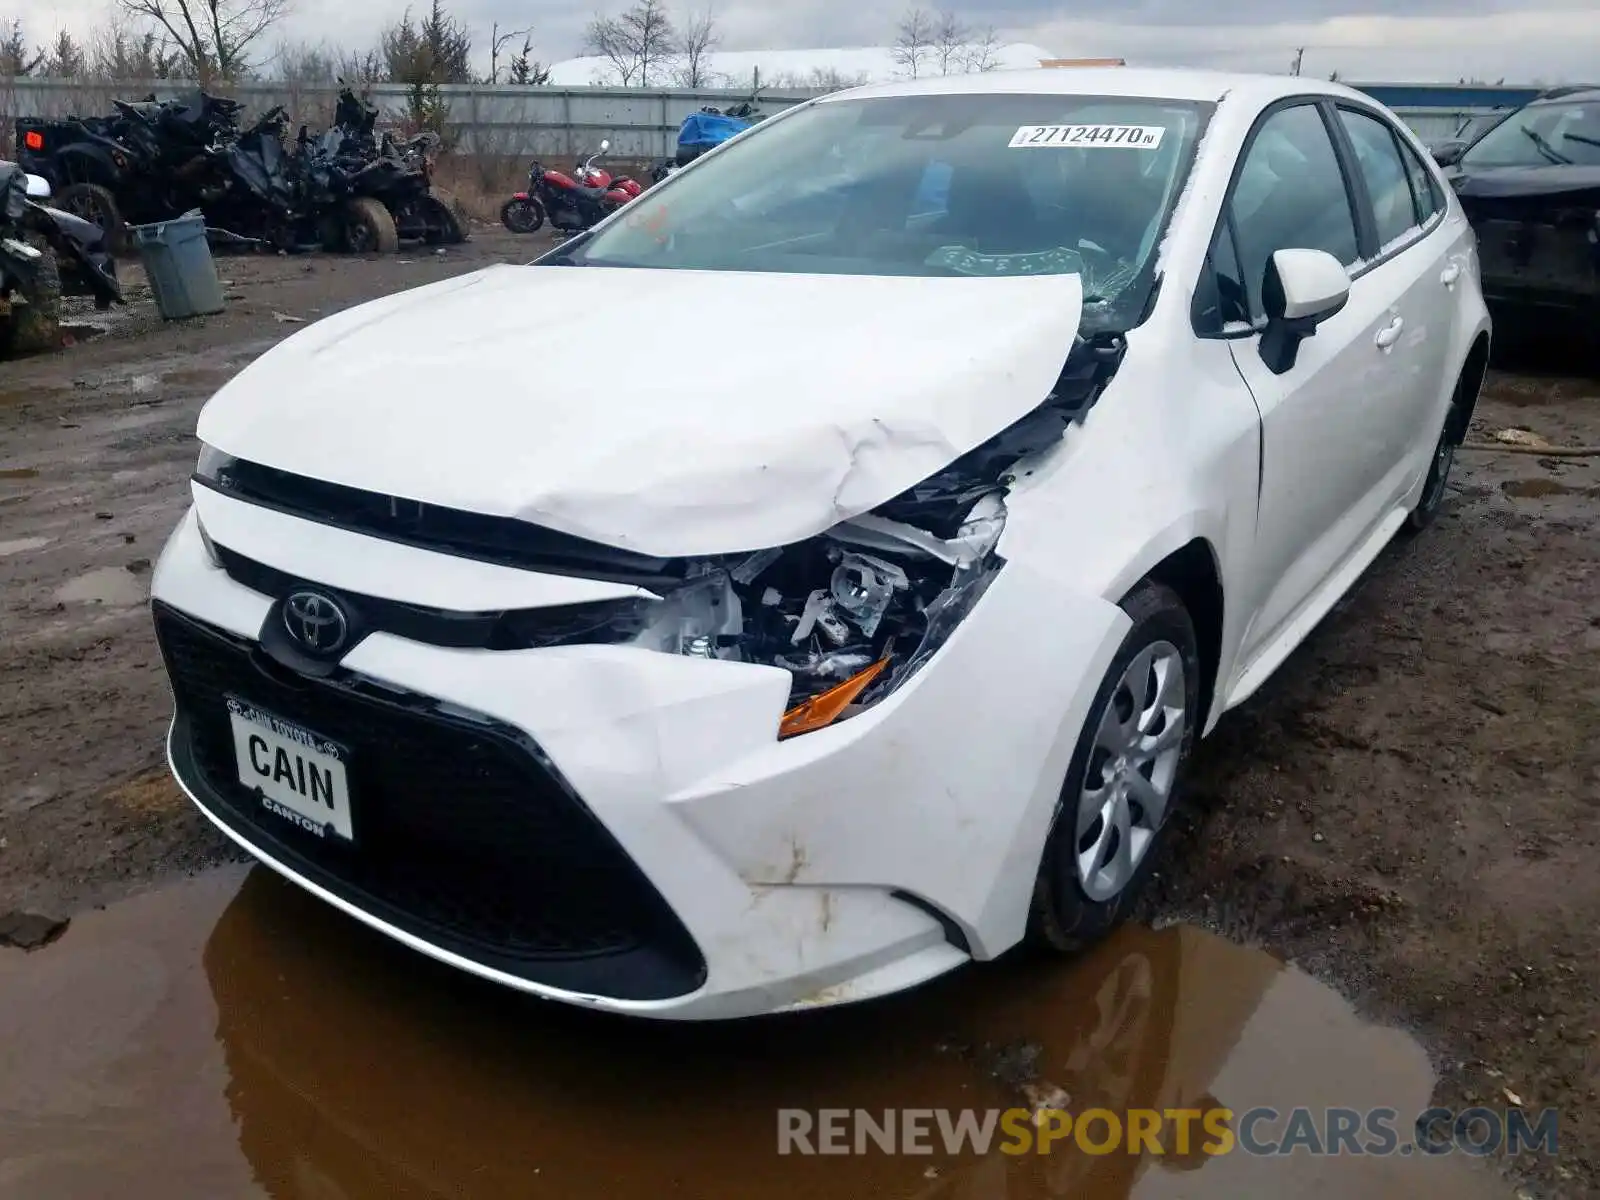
1431 500
1075 905
369 227
522 216
450 217
95 203
35 327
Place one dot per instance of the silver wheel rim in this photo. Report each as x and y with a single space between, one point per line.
1132 765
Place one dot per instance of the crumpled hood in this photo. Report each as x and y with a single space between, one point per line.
668 412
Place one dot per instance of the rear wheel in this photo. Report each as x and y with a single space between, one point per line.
447 220
94 203
1444 456
369 227
1121 786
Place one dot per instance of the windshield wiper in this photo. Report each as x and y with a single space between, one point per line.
1578 137
1545 148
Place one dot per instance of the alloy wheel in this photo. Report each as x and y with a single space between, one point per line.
1131 771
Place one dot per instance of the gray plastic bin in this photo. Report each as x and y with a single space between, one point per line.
178 262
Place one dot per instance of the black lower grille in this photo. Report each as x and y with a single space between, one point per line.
464 835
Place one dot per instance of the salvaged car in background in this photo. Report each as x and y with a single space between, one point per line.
1064 405
1531 188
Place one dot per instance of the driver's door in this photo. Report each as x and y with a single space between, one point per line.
1329 423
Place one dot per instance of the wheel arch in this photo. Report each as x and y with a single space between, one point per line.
1193 572
1474 368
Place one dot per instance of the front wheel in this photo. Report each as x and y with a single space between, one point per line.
98 206
522 216
1121 786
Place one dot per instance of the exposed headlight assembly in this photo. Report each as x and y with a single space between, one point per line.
851 615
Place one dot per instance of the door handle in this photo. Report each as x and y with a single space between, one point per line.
1390 333
1450 274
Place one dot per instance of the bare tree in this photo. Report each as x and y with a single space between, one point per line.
15 58
497 42
525 68
638 44
1299 58
604 38
950 43
914 41
215 37
696 41
982 52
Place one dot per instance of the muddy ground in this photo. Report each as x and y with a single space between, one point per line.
1407 811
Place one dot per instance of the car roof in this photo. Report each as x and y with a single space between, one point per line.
1166 84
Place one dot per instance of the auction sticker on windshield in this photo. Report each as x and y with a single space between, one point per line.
1127 137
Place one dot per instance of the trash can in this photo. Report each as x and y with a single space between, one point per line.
178 262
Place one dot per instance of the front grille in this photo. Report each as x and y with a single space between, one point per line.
465 836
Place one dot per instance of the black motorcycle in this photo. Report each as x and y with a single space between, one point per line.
44 254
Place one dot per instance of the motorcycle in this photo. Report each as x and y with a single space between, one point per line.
573 202
45 253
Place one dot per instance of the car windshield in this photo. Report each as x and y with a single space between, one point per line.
1542 135
936 185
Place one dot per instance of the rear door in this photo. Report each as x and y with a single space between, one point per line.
1408 259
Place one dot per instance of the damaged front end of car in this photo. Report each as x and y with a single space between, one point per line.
855 612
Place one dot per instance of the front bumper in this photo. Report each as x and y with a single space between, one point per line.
629 815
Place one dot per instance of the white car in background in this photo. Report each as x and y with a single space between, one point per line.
798 664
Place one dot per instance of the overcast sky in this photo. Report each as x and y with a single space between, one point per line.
1530 40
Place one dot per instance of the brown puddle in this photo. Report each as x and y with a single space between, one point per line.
1532 489
232 1036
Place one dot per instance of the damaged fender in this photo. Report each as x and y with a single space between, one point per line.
940 761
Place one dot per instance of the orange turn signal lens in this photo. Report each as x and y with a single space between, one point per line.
826 707
33 140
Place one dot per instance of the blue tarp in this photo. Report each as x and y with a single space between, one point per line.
709 129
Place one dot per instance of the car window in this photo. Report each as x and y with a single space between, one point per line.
1384 173
1424 187
932 185
1222 303
1545 133
1290 193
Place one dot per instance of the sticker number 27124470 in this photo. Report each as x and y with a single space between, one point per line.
1129 137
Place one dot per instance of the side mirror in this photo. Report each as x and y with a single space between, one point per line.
1449 154
38 188
1301 289
605 144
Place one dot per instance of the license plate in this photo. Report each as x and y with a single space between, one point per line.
298 775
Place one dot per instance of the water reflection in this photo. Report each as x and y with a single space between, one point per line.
171 1034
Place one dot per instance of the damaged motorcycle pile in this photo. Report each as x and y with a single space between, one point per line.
349 189
45 254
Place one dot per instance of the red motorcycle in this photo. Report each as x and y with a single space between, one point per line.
571 202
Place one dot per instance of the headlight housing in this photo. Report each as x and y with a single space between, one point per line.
851 615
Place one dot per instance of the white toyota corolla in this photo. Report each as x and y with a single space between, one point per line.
814 577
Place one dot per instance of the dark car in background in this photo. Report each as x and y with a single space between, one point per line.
1531 188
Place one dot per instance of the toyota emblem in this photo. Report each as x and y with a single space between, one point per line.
316 622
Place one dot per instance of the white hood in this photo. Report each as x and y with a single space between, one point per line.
669 412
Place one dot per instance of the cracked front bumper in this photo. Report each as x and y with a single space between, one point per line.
843 864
